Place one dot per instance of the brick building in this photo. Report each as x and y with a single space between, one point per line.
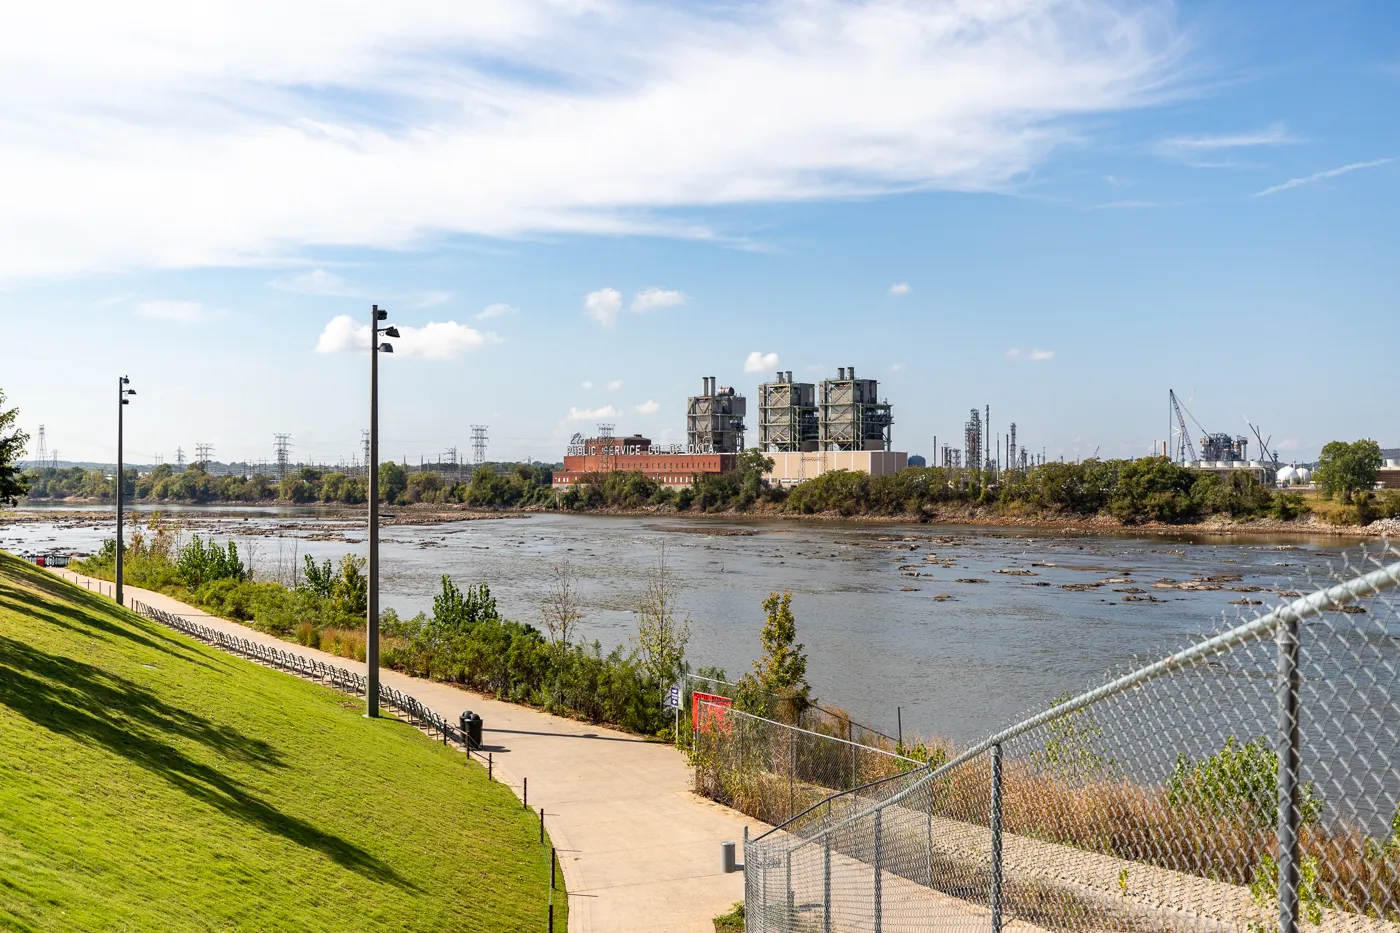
675 466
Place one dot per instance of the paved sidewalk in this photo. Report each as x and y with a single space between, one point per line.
639 850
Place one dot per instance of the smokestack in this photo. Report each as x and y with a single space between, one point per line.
789 375
840 372
850 372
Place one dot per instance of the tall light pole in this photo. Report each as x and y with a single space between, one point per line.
377 314
122 393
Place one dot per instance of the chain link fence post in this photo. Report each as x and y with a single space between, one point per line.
996 838
879 867
1289 762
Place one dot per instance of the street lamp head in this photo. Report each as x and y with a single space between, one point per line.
386 348
380 314
391 332
130 391
125 380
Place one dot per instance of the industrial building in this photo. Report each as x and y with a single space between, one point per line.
672 466
1389 476
791 468
714 419
850 414
787 416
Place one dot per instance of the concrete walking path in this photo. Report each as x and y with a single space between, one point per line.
639 850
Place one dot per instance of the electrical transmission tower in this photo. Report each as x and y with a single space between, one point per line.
608 462
180 459
478 444
203 453
43 454
364 442
283 442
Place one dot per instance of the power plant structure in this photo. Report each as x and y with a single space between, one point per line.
714 419
851 415
788 420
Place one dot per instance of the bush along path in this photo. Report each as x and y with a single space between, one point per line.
638 850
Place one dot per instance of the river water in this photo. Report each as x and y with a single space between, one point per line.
960 658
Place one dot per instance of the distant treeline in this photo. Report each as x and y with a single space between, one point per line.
522 485
1151 489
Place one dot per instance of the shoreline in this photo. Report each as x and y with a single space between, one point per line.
434 514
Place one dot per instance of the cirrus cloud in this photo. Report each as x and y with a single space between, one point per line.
182 312
649 407
1035 356
153 136
900 288
444 340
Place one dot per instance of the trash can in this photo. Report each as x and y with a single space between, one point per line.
471 727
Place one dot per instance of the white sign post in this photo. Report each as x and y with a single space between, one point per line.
673 701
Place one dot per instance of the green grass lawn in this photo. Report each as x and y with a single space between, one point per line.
148 782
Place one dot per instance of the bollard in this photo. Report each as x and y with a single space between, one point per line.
727 861
541 825
490 766
525 793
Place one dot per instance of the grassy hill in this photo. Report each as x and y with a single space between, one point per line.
148 782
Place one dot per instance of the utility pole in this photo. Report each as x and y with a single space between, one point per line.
372 622
122 393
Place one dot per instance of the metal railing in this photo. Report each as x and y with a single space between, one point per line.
328 674
1249 782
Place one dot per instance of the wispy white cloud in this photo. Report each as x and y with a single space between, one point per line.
1211 151
602 306
183 312
183 143
319 283
900 288
614 385
496 310
758 362
896 367
591 414
1037 356
1320 176
649 407
1041 355
652 298
587 383
446 340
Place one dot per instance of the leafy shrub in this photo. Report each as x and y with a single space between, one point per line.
1239 782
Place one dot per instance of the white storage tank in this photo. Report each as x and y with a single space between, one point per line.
1287 476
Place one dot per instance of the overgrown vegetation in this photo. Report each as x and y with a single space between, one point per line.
465 640
148 782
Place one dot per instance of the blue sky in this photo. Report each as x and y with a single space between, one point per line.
1086 203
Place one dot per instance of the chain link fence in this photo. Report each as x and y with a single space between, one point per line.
773 771
811 716
1248 782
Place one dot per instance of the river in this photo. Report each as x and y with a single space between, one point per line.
960 658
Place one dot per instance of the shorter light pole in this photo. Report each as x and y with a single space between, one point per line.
122 393
377 315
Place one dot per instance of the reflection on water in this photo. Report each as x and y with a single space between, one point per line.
961 658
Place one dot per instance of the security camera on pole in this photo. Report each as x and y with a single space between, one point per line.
377 315
122 393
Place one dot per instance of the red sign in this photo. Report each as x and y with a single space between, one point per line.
707 708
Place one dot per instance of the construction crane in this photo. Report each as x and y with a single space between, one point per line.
1263 444
1183 438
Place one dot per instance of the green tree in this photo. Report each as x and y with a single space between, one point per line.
392 481
783 668
1348 468
659 637
12 440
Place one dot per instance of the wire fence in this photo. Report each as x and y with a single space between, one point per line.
774 771
808 715
1248 782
